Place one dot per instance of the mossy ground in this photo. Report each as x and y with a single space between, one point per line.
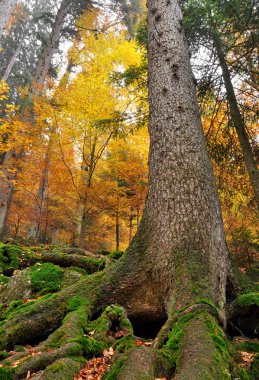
11 257
79 334
46 278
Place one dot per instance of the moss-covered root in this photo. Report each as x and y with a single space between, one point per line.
64 369
38 319
45 359
199 347
33 321
68 260
140 364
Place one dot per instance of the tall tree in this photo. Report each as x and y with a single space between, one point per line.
6 12
178 257
227 32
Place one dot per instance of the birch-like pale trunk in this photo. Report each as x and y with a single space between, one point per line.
50 48
6 9
11 63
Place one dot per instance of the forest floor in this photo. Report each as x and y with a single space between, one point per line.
32 274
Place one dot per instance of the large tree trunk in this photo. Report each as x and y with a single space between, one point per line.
175 269
5 14
238 121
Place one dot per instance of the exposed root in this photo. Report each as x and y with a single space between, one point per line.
90 264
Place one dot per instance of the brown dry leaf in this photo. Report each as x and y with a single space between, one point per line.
96 367
246 359
121 333
28 375
140 342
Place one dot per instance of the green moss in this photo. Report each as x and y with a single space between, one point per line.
115 369
254 369
4 354
249 346
241 374
76 302
253 274
244 281
17 306
103 324
216 343
104 252
115 255
91 347
124 344
217 336
191 276
176 335
64 369
248 299
4 279
6 373
11 256
206 301
46 278
165 363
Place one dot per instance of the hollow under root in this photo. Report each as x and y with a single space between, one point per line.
193 349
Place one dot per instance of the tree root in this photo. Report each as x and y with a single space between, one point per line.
90 264
78 327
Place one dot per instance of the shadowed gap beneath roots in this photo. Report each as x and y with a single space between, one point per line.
246 323
146 326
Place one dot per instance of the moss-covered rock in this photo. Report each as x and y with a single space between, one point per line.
18 287
249 299
11 258
46 278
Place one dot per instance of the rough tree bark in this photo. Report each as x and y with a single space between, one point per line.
6 12
176 267
238 121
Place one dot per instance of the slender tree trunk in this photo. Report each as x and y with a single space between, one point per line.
130 226
12 61
83 227
50 48
34 232
117 230
6 7
86 178
138 216
238 121
6 189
